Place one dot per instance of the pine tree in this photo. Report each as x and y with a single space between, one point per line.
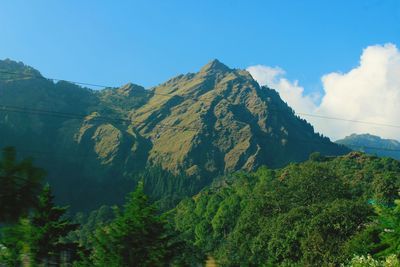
137 237
20 183
48 228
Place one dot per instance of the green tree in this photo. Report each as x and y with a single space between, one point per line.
225 218
389 223
386 187
316 213
369 261
137 237
14 245
316 156
48 227
328 232
20 183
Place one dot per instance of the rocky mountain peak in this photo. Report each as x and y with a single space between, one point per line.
214 66
130 89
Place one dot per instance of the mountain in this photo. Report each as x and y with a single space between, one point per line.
315 213
372 144
187 130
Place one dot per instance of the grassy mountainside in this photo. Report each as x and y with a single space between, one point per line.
315 213
372 144
198 125
224 122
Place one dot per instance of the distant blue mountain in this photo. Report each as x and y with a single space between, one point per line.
372 144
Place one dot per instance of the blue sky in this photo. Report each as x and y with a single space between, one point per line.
149 41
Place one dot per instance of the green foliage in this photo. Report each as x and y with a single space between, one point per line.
316 156
312 214
37 239
386 187
166 188
369 261
14 243
20 183
389 223
138 236
89 223
366 241
49 227
329 230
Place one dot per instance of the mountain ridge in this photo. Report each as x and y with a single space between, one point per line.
372 144
218 120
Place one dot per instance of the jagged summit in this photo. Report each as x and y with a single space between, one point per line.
222 121
199 83
214 66
130 89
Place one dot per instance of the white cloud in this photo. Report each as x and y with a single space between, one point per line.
291 92
370 92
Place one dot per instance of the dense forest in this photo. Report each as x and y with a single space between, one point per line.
327 211
34 231
318 213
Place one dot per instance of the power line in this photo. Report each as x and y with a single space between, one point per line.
31 75
90 84
66 115
197 99
103 118
65 155
78 116
361 147
348 120
371 148
107 118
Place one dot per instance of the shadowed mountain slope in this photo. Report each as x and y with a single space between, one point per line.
200 125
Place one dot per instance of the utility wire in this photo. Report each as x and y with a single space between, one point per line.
32 75
66 115
119 120
78 116
360 147
148 92
194 129
197 99
348 120
371 147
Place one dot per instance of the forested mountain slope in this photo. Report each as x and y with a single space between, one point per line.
316 213
195 126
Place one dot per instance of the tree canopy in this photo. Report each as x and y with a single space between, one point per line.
316 213
20 183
